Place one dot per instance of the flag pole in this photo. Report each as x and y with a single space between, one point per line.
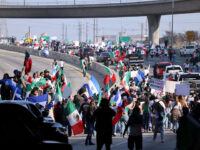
13 98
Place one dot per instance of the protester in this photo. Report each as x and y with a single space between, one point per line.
159 110
135 136
5 89
146 115
186 65
89 123
103 117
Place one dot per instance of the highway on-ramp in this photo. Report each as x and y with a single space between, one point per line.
13 60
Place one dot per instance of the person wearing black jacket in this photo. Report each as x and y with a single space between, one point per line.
135 136
59 114
103 116
5 89
89 123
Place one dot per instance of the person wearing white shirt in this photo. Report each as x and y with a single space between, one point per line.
61 64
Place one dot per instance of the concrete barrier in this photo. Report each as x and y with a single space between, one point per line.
72 60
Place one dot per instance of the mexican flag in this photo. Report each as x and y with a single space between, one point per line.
112 75
125 81
30 85
74 118
111 54
106 79
58 95
82 65
120 65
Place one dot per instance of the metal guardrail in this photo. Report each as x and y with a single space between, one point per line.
68 2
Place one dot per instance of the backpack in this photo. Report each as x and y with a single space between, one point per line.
158 107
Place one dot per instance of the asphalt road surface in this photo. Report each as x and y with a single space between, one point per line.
13 60
120 143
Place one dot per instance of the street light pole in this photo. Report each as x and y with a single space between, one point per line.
172 34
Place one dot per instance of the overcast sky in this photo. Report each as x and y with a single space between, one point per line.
106 26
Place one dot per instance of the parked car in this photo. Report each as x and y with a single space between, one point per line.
192 79
103 56
187 50
159 69
23 123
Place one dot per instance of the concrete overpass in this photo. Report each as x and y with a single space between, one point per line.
152 9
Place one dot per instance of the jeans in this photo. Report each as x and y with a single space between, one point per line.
175 124
146 118
158 124
123 122
90 129
39 53
167 122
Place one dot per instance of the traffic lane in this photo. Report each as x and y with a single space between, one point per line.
15 60
120 143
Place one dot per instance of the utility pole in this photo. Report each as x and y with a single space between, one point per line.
63 32
66 38
142 26
80 32
96 27
172 35
29 32
86 32
94 31
146 29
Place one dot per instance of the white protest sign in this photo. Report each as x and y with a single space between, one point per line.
66 92
157 84
170 86
182 89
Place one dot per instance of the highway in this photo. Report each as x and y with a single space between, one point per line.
120 143
13 60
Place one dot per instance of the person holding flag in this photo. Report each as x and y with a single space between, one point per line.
27 62
83 66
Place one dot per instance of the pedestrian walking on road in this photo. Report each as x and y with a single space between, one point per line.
135 136
103 116
186 65
89 123
146 114
159 111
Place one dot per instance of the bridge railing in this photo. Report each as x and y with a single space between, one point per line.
65 2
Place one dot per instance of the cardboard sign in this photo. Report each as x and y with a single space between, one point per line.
182 89
157 84
170 86
66 92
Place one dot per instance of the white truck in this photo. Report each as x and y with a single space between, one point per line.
172 70
187 50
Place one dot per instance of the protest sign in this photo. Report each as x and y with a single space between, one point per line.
156 84
182 89
170 86
66 92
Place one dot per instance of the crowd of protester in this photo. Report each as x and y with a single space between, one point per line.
141 110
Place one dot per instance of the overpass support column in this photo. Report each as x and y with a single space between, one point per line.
154 23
